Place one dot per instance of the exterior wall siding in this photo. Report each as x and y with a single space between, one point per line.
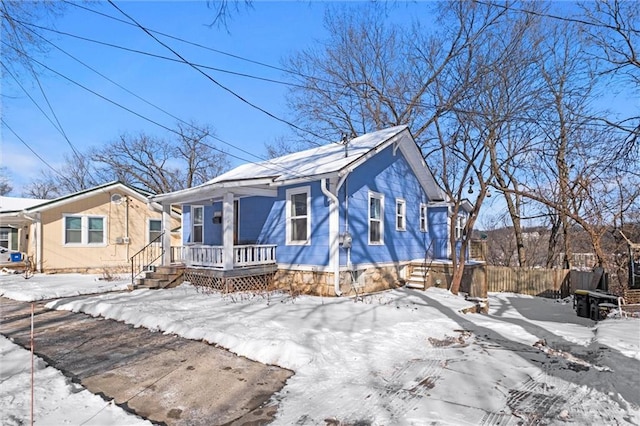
390 175
58 257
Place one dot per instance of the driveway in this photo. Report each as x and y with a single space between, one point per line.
163 378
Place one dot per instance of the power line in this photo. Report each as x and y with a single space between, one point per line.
153 55
31 149
141 98
267 164
215 81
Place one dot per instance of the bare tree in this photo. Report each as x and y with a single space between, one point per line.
613 28
5 181
163 165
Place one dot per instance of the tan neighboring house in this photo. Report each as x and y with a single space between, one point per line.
92 231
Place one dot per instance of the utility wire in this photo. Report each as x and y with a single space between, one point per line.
231 55
267 164
216 82
153 55
398 100
31 149
141 98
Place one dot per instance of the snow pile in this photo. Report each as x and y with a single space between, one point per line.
43 287
407 357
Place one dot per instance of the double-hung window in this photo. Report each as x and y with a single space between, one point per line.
423 218
155 230
298 215
376 218
84 230
197 224
401 208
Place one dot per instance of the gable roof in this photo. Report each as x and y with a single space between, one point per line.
111 186
325 161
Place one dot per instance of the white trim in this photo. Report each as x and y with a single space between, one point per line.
288 193
380 197
400 202
84 230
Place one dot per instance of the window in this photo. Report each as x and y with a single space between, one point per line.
197 224
84 230
155 230
376 215
73 230
298 215
4 237
423 218
460 222
400 214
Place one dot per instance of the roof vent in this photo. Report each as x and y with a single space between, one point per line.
116 199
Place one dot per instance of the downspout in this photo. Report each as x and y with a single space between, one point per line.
334 223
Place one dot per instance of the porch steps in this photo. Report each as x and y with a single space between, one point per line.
162 277
418 278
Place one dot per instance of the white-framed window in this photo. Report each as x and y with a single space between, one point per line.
401 212
460 222
84 230
154 230
298 215
197 224
376 218
424 225
5 233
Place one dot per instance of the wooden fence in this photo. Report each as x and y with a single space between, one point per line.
552 283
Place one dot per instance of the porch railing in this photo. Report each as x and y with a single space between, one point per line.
213 256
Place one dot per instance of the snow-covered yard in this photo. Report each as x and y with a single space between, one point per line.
398 357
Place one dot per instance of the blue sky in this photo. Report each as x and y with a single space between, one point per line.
267 32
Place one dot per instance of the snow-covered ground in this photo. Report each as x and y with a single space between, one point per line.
396 358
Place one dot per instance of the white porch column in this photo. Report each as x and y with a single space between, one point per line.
227 231
166 237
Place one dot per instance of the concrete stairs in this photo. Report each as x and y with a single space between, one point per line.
419 278
161 277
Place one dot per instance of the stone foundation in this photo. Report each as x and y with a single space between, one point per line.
368 280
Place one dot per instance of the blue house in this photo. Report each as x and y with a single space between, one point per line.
331 220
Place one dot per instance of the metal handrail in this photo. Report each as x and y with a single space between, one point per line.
146 256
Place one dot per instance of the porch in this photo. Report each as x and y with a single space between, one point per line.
253 267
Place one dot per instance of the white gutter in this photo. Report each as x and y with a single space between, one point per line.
334 224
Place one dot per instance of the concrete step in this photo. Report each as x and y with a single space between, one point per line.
415 285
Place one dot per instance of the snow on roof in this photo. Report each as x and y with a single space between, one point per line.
10 204
311 162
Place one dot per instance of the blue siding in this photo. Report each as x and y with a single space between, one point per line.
391 176
263 219
274 231
254 213
438 228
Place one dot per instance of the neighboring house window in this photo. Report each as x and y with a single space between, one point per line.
197 224
376 216
84 230
298 215
73 230
400 214
423 217
155 229
4 237
460 222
